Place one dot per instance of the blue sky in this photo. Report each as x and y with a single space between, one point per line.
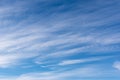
59 40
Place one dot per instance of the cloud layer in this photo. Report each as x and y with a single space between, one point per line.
59 40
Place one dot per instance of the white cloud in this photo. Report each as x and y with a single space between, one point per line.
76 61
62 75
9 60
117 65
89 71
57 36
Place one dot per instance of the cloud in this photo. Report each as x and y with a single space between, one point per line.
57 24
56 75
116 65
86 72
48 34
78 61
10 60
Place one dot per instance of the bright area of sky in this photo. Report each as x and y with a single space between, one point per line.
59 39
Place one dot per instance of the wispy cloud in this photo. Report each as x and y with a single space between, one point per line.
116 65
8 60
77 61
79 73
57 33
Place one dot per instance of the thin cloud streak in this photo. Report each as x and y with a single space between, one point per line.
78 61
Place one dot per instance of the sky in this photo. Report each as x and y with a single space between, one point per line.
59 39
